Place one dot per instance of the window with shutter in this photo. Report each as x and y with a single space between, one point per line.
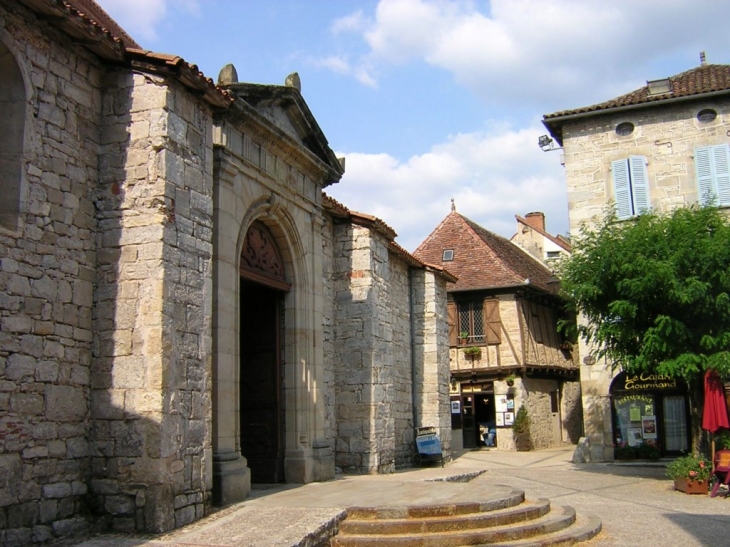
492 322
471 320
630 186
712 169
451 318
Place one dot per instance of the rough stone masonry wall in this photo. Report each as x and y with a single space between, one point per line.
538 403
46 289
328 328
363 359
402 405
431 348
151 398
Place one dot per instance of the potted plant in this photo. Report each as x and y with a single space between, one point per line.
691 473
463 337
510 380
474 352
521 430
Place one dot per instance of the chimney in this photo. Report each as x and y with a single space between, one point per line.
536 220
703 58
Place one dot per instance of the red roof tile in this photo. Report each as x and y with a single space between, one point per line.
482 259
687 85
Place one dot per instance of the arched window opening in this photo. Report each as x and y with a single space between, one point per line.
12 125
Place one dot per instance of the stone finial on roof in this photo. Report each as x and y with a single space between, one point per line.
228 75
453 206
293 81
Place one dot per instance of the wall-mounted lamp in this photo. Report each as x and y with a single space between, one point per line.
546 143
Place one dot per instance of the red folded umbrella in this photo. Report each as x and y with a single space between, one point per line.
714 414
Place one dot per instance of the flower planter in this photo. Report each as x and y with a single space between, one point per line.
691 487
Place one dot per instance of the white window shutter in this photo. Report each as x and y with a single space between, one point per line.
639 184
705 174
622 188
721 160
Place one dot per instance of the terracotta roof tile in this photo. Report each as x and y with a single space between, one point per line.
704 79
686 85
482 259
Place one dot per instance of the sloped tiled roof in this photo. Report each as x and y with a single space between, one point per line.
482 259
688 85
560 242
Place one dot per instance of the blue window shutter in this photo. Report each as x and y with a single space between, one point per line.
639 184
622 188
721 160
705 174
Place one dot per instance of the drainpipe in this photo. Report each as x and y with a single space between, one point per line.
416 421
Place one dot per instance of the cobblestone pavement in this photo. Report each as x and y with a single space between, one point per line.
637 503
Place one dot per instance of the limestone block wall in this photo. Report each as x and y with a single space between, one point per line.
432 355
328 329
151 396
543 431
667 137
571 411
46 287
364 362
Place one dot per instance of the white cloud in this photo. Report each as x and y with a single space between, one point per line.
140 18
349 23
554 52
492 176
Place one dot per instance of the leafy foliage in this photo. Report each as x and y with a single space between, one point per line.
654 292
693 467
521 424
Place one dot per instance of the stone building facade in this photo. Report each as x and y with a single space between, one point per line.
532 237
504 347
659 147
182 310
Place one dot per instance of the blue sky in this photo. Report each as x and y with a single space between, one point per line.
431 100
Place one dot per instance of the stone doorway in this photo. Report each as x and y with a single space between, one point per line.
261 405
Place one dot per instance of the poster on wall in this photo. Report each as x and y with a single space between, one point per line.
509 418
510 404
500 419
634 413
456 407
500 404
648 427
635 437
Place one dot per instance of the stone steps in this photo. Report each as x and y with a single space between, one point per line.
509 521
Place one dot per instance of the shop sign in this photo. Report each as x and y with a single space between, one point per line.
646 381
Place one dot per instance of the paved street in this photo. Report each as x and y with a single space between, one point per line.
636 502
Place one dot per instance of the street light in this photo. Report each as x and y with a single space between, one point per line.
546 143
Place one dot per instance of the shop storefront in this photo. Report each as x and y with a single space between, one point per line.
649 409
472 412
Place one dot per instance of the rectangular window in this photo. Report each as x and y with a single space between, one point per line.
471 321
712 167
630 186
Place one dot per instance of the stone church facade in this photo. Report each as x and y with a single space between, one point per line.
182 309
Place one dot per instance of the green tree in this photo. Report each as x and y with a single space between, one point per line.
654 293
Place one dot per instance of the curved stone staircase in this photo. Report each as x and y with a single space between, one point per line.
509 520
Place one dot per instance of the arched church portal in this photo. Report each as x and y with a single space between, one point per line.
263 285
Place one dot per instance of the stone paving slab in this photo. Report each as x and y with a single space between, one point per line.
637 504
